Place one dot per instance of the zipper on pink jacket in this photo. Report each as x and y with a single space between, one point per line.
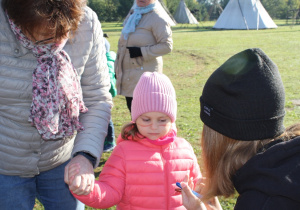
165 174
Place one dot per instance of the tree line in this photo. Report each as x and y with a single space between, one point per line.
203 10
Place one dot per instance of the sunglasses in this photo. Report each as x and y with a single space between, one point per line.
44 41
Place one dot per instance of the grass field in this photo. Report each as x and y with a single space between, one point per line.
197 52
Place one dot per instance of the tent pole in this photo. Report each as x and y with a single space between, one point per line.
257 19
243 14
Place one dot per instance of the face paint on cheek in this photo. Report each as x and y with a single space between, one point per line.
160 125
163 125
144 125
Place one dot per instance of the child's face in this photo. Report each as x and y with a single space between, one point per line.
154 125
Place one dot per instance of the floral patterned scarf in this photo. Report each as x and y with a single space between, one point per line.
56 91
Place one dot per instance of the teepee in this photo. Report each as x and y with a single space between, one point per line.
164 12
184 15
244 14
168 16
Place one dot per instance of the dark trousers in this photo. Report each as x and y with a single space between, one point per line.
110 138
129 101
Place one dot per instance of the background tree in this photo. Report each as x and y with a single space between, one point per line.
124 7
172 5
116 10
275 8
223 3
110 10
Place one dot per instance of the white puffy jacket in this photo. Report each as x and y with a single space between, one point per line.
22 150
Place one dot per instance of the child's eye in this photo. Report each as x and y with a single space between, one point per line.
162 120
146 120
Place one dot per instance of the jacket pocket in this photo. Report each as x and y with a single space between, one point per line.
133 63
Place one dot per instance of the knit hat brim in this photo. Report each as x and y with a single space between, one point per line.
244 130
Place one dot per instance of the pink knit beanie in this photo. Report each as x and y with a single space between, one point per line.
154 93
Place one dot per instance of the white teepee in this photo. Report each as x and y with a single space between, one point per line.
184 15
244 14
166 14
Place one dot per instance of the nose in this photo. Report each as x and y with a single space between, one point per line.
154 125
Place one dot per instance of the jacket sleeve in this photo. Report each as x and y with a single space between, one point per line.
109 190
162 33
254 200
195 170
95 83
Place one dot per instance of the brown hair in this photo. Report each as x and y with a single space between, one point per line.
59 16
130 132
223 156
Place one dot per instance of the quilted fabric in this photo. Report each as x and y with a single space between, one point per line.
141 175
22 148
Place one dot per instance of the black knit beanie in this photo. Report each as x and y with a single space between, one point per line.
244 98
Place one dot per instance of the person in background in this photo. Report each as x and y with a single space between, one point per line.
55 101
149 158
145 38
106 42
110 143
244 143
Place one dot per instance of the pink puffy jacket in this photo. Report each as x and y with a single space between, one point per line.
140 175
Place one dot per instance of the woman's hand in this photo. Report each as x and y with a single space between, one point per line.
79 175
189 200
134 52
213 204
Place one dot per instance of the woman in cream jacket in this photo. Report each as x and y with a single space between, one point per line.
141 49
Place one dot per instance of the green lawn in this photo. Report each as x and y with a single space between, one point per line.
198 51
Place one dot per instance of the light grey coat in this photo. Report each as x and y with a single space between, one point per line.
22 150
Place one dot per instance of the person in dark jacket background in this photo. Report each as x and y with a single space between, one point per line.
245 146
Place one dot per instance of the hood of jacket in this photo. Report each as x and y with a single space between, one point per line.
274 172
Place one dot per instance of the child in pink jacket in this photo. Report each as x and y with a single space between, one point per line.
149 158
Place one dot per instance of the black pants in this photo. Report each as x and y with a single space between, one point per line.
129 101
